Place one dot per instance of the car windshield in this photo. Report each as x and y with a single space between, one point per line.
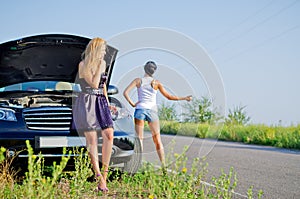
42 86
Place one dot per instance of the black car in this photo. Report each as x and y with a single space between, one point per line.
37 91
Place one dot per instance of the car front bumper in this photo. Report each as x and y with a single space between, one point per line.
51 147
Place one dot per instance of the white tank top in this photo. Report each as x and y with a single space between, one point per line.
146 95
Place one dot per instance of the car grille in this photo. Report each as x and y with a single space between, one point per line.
48 118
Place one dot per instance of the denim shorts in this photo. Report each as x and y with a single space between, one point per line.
146 115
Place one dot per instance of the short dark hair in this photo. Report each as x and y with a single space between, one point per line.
150 67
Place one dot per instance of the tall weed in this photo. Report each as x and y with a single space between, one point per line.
177 180
7 173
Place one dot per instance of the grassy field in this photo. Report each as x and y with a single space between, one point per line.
177 181
277 136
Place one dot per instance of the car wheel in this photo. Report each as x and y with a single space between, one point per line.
133 165
115 102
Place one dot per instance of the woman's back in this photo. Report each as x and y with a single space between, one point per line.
146 94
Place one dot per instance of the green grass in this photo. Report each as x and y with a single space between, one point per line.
277 136
177 181
151 181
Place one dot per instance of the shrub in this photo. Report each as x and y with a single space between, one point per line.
200 111
237 116
167 112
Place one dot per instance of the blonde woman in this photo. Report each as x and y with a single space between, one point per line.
91 110
146 107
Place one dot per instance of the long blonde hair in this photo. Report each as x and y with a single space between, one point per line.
92 53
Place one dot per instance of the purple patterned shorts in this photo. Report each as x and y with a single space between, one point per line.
91 112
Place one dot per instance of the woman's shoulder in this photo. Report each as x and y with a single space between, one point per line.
81 69
81 63
156 81
137 79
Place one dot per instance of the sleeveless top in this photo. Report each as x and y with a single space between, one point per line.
146 95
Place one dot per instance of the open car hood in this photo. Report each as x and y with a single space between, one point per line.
45 57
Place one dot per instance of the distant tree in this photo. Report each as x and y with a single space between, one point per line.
237 116
200 110
167 112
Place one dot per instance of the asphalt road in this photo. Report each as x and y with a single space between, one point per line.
274 171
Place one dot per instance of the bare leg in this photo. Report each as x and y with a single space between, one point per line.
155 130
92 146
139 129
107 136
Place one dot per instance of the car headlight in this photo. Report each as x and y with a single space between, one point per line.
7 115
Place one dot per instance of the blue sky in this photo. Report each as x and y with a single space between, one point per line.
254 44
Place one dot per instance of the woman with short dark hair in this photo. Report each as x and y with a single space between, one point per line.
146 107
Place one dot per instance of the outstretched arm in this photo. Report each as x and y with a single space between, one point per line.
133 84
169 96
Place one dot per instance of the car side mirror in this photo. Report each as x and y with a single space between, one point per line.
112 90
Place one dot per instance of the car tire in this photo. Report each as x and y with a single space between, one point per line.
133 165
116 102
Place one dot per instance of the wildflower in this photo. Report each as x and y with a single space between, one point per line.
151 196
184 170
34 157
2 149
171 184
